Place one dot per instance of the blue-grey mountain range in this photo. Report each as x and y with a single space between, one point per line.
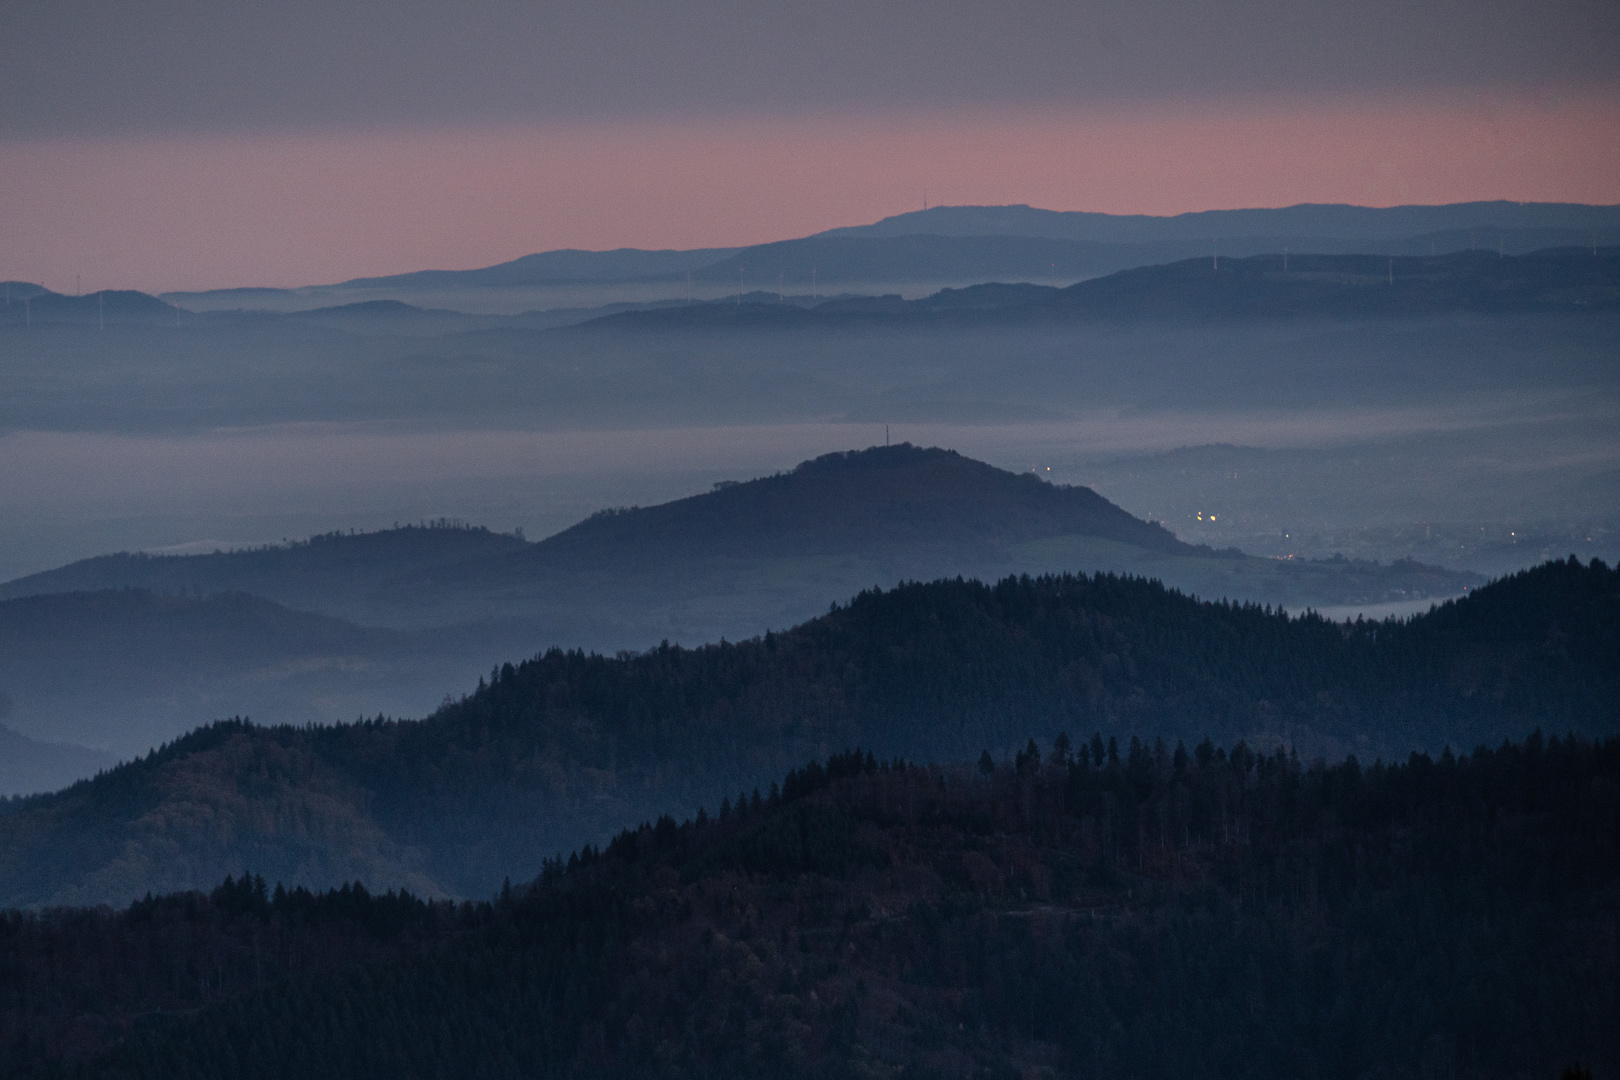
956 244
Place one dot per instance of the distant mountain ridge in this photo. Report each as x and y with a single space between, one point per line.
1221 283
1277 286
912 258
37 304
564 265
800 264
1021 243
1343 222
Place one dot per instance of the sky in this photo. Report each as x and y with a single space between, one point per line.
171 144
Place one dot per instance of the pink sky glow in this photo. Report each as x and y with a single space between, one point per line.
297 209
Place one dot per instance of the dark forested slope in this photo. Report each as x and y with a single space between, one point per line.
1096 911
570 746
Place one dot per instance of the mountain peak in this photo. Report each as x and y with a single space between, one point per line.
877 498
887 456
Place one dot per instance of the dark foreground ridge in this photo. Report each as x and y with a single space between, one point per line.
571 746
1093 911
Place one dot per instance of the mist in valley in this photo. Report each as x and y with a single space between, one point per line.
1471 443
1303 439
939 542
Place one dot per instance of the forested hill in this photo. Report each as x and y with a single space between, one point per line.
570 746
875 498
748 555
874 502
1094 911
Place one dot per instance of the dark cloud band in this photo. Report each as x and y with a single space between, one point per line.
100 66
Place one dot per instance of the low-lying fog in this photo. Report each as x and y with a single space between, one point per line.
1474 443
1465 490
559 297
